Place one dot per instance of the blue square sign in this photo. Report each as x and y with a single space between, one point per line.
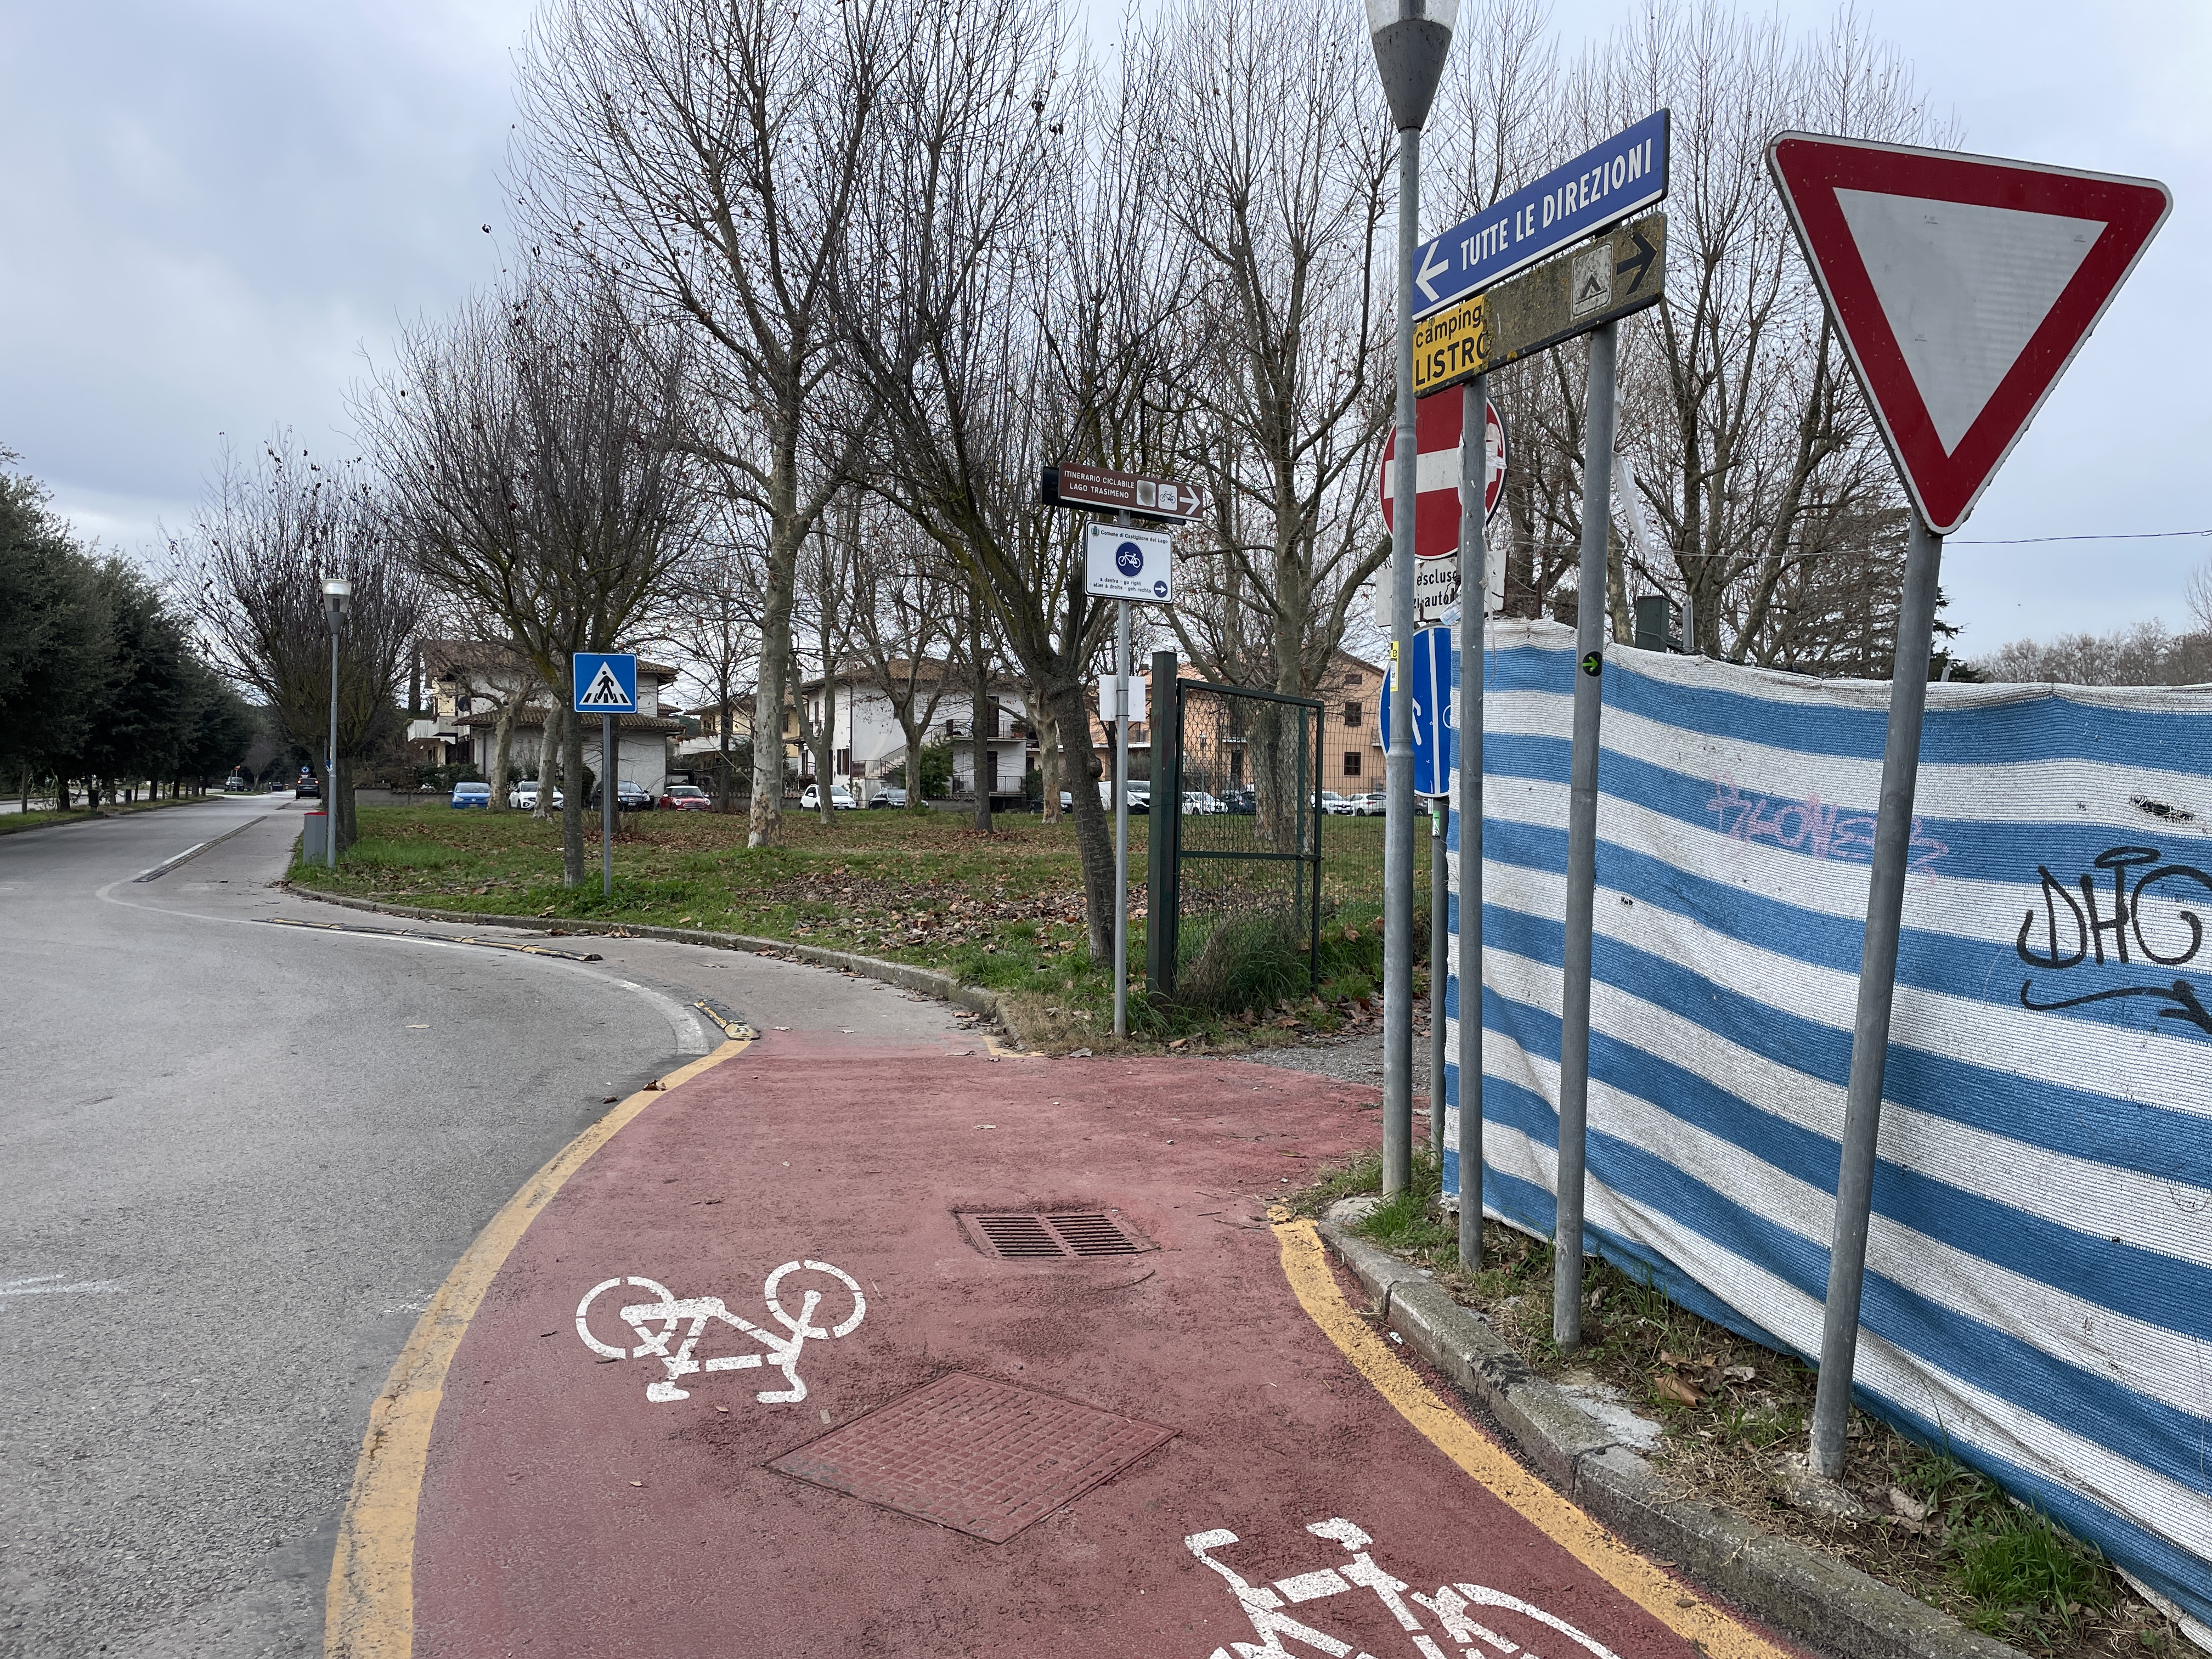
607 682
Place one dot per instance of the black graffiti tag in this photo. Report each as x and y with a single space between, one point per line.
2111 929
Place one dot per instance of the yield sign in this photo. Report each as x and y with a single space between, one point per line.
1962 287
1436 473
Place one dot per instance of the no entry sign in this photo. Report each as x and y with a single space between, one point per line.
1436 474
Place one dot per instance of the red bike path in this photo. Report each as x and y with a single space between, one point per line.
563 1512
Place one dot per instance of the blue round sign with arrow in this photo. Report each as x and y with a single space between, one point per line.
1436 711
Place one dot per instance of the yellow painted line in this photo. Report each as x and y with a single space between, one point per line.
1718 1633
369 1613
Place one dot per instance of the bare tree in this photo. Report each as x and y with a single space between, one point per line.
1279 148
709 152
250 572
1749 435
532 447
980 319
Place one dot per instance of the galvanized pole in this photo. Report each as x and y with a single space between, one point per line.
1439 951
1398 763
1582 842
1893 843
1473 600
607 757
330 755
1120 817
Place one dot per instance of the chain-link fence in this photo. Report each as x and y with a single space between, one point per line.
1236 833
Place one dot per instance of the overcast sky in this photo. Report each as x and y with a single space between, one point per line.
215 210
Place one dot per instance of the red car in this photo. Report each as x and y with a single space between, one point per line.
686 798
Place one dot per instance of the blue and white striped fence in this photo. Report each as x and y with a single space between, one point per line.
2039 1289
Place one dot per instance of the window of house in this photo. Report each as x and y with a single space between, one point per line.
1352 763
1236 761
1354 713
1136 731
845 756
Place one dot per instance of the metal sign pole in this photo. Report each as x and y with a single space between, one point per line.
1582 842
1398 759
1893 844
607 752
330 763
1475 599
1120 817
1439 947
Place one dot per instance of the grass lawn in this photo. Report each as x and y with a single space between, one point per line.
1729 1408
1003 910
14 823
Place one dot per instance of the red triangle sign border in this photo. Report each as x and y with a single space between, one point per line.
1809 169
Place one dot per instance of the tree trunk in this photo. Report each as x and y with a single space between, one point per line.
825 748
1049 761
503 735
548 762
725 785
572 800
767 817
342 822
1094 841
1616 589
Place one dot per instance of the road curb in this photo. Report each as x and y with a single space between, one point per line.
1799 1589
905 976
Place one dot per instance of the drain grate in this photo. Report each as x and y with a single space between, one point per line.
981 1457
1052 1235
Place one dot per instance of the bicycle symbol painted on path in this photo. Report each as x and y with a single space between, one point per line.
655 1324
1458 1609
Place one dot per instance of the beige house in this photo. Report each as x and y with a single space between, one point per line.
469 683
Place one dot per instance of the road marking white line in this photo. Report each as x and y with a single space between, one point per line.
52 1284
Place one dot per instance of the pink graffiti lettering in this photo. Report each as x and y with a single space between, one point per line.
1810 826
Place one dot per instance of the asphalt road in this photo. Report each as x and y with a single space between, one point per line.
241 1158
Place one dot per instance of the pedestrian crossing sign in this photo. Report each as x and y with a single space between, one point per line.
607 682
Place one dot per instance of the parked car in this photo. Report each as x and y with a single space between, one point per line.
629 797
890 795
523 797
840 798
1199 801
1373 804
1245 801
234 785
686 798
472 794
1337 806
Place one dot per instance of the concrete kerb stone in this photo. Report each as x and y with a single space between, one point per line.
1828 1601
905 976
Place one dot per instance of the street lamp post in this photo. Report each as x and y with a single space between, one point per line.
1411 38
338 599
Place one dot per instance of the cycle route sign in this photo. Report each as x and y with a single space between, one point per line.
1122 564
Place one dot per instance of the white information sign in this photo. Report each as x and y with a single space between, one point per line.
1122 562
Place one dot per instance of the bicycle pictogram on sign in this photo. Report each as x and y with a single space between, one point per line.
655 1323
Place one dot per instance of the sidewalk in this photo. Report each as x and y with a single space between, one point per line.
1116 1452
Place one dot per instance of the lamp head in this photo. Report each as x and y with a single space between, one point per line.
337 599
1411 39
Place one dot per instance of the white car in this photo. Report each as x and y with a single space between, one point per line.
1370 805
523 797
1197 801
1337 806
840 798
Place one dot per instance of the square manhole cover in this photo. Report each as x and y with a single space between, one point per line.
978 1455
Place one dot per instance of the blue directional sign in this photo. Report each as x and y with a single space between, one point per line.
1436 712
607 682
1628 171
